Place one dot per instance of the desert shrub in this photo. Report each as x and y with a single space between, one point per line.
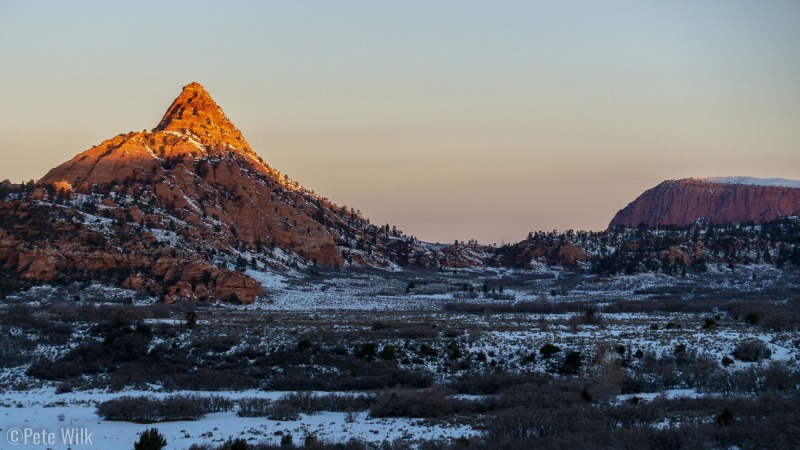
530 307
235 444
697 370
571 364
309 403
215 403
120 345
427 350
490 383
752 350
428 403
548 350
254 407
127 345
725 418
64 388
283 411
145 409
744 381
778 377
726 361
368 351
15 350
216 344
355 375
389 352
150 440
205 379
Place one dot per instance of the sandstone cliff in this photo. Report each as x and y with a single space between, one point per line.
681 202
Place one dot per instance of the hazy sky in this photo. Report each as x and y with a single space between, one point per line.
450 119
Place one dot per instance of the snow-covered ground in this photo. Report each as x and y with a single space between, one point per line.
348 305
43 412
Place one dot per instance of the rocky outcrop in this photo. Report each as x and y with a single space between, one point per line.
198 164
39 248
523 254
682 202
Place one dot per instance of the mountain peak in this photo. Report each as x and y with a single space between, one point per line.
195 113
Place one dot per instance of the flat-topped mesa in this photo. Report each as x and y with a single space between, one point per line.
717 200
195 113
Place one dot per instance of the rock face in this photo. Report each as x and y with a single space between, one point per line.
717 200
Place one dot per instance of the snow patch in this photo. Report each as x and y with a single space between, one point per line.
751 181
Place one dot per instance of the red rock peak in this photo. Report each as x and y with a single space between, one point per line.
194 112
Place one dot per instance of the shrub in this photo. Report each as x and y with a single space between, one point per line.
427 350
389 352
150 440
548 350
752 350
429 403
571 364
725 418
63 388
778 377
254 407
284 411
215 403
309 403
145 409
235 444
368 351
310 440
726 361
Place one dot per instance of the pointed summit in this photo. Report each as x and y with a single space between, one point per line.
195 113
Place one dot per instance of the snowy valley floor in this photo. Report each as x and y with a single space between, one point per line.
453 358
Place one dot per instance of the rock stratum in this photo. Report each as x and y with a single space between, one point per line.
716 200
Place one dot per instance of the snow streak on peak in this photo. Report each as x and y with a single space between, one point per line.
781 182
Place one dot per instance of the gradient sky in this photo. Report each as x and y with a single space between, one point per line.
450 119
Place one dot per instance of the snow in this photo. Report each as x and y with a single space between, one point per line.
40 410
670 394
751 181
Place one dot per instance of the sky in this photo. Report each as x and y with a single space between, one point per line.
449 119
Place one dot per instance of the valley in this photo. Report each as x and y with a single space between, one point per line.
411 359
